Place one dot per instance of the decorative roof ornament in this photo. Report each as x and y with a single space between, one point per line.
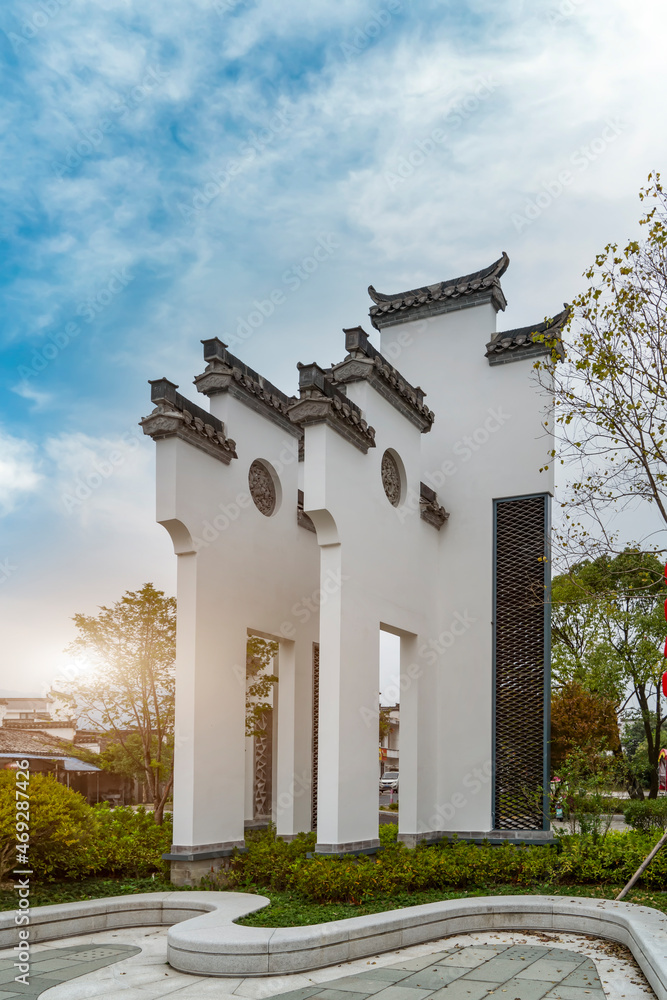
529 341
433 300
226 373
365 362
322 402
176 416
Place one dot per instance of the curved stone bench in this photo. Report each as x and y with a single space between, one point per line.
206 941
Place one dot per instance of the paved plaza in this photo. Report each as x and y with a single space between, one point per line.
131 965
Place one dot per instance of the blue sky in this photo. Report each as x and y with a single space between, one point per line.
167 165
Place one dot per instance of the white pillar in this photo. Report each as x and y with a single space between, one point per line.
347 802
285 719
209 772
418 744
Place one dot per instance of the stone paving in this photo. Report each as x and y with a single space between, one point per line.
131 965
522 972
53 966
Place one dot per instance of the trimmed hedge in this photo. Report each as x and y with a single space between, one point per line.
573 861
647 814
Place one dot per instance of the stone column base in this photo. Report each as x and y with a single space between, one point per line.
190 865
478 837
352 847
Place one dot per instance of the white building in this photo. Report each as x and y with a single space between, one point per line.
319 520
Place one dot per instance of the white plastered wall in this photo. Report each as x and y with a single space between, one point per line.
500 411
239 571
385 558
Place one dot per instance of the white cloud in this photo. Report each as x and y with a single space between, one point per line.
102 482
18 471
32 394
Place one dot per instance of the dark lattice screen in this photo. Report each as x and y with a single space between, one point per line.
521 546
263 784
316 729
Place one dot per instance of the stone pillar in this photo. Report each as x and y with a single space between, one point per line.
347 817
285 711
418 745
209 771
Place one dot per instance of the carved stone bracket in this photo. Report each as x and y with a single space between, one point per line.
429 508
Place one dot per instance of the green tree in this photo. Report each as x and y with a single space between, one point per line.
583 721
610 390
129 690
259 657
609 628
384 722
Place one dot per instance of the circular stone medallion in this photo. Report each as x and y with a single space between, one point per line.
391 479
262 488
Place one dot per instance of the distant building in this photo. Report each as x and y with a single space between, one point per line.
389 742
36 715
30 730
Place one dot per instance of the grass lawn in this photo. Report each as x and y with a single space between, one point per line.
290 910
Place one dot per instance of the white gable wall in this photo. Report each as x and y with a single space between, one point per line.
498 409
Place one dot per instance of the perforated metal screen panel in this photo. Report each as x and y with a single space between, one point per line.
521 662
316 729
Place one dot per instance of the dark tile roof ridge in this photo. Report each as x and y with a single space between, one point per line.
35 742
216 354
464 285
357 342
33 724
523 338
557 322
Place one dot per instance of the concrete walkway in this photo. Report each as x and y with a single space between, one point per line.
511 965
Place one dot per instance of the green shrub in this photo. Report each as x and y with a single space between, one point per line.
129 842
61 829
70 839
388 833
575 860
647 814
268 860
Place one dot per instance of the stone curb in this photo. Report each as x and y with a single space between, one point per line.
206 941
